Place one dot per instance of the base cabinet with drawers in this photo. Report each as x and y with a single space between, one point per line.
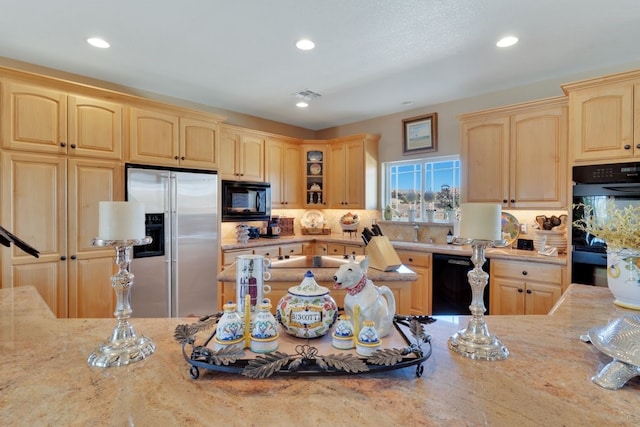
519 287
344 249
420 263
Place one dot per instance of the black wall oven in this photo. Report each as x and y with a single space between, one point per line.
595 186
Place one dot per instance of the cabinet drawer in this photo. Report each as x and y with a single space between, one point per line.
291 249
420 259
527 270
335 249
267 251
229 257
353 250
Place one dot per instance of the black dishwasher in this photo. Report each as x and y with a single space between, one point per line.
451 289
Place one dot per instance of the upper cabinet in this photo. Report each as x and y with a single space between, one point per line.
241 155
353 172
44 120
283 171
516 156
164 138
604 118
315 178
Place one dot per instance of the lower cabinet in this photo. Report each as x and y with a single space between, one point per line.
344 249
420 263
524 287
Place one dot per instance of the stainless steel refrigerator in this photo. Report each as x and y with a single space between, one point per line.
176 275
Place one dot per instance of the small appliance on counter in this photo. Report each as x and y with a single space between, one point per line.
272 229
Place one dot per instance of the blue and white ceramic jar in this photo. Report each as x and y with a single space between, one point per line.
230 329
342 336
264 332
368 340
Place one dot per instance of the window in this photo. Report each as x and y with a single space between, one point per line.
422 185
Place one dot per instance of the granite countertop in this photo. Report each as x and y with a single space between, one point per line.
295 274
464 250
45 379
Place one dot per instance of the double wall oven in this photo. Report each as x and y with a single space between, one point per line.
595 186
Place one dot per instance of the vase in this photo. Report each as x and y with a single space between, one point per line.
623 276
411 215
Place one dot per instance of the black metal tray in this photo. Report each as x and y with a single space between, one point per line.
310 357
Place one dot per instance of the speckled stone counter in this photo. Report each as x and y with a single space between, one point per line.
45 380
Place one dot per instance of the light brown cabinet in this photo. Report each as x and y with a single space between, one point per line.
519 287
241 155
516 156
44 120
353 172
421 289
604 118
71 275
344 249
315 174
283 171
164 138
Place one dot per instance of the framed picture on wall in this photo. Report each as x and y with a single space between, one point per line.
420 134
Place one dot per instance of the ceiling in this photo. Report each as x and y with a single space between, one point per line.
372 57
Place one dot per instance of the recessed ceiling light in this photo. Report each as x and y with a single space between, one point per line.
305 44
507 41
302 104
98 42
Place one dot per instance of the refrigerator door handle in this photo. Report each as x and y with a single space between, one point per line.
173 291
168 237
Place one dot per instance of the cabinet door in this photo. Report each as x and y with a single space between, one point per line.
601 122
507 296
292 176
274 171
229 152
541 297
34 208
251 160
153 137
485 158
95 128
354 178
198 143
337 166
539 159
33 118
90 267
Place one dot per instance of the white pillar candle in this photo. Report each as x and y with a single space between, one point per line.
481 221
121 221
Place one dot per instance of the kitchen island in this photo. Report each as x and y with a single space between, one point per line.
45 379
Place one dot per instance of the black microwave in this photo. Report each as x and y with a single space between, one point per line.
246 201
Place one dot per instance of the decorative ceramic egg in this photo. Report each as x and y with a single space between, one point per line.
307 311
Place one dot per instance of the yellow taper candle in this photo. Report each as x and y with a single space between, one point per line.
247 321
356 323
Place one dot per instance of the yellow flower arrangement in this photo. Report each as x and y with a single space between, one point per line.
619 228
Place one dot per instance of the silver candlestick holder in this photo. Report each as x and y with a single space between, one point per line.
124 346
475 341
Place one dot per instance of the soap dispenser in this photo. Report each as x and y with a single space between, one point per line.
449 237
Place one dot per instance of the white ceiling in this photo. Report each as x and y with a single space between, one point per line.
371 56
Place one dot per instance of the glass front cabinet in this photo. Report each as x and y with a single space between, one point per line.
315 159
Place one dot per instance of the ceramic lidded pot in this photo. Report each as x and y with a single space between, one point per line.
342 336
264 332
230 329
307 311
368 341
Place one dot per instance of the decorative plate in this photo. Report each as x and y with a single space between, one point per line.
314 156
510 228
315 169
312 219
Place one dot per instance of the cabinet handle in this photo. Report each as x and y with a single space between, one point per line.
524 273
182 158
513 200
627 146
528 291
519 290
638 146
73 257
176 157
63 258
504 201
63 144
291 251
267 254
73 146
410 259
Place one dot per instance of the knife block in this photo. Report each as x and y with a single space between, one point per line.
382 256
